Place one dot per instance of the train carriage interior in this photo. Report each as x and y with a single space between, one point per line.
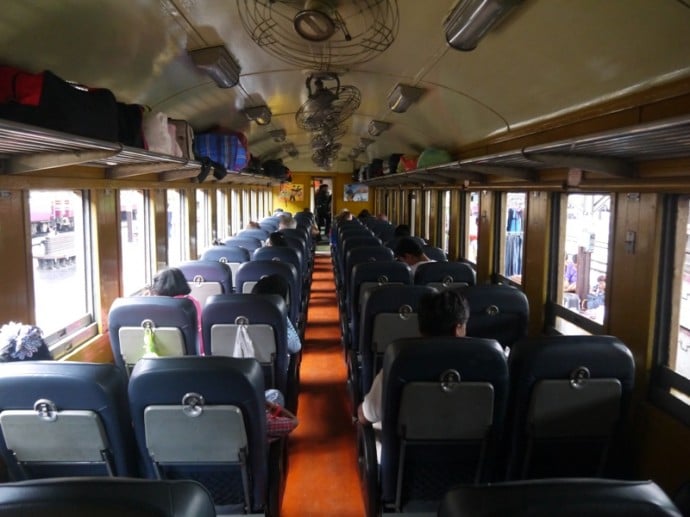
304 179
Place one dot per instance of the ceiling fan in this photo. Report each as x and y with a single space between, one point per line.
326 107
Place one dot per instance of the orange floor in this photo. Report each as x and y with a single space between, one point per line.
322 474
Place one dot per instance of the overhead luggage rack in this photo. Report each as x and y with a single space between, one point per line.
612 153
25 148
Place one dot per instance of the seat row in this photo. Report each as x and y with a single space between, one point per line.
456 410
538 498
173 325
200 418
388 311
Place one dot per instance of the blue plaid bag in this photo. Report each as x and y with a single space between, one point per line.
227 150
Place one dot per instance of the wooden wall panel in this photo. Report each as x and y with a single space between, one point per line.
16 301
634 271
535 265
160 225
106 218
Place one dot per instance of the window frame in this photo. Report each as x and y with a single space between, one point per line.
553 309
665 380
500 215
78 331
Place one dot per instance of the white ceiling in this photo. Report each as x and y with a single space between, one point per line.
547 58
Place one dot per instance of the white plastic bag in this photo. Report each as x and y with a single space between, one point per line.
156 134
244 347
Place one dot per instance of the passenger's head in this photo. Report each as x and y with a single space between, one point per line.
601 282
277 239
170 282
363 214
402 230
443 314
253 225
286 221
22 343
408 250
272 284
345 215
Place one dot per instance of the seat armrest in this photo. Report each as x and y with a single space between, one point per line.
368 468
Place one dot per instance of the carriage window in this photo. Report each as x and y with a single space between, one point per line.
679 328
235 215
203 220
586 255
222 214
135 232
471 223
62 269
513 232
445 220
177 227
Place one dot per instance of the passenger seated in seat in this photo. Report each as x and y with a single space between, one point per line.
277 239
171 282
276 284
20 342
280 421
409 251
439 314
286 222
596 297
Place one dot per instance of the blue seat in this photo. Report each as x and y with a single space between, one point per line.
233 256
65 419
387 313
444 402
249 243
445 274
569 398
358 255
302 235
265 317
435 253
382 229
364 276
255 233
105 497
174 322
203 418
568 497
269 225
499 312
282 254
207 277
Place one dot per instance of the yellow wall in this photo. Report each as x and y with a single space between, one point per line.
304 180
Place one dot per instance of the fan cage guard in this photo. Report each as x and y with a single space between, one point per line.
372 26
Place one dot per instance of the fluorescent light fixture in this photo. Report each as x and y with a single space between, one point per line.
403 96
365 142
290 149
470 20
219 64
278 135
376 127
259 114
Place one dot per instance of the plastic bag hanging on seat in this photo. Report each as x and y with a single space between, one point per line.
149 343
244 347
